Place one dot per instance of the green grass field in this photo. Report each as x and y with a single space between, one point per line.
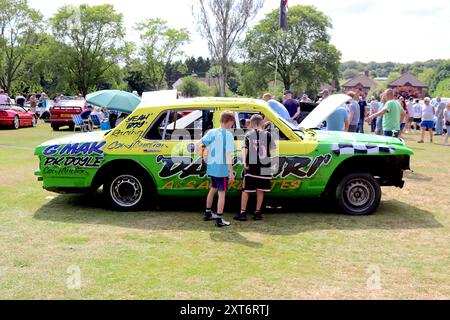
303 252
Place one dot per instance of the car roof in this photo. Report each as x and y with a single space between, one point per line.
204 102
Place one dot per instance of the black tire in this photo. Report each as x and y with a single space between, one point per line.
16 123
127 189
358 194
55 128
71 127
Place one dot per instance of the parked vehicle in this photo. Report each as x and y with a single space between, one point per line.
15 116
138 161
61 113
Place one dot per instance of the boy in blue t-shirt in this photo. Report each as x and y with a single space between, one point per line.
220 145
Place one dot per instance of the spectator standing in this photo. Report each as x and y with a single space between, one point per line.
324 94
292 106
279 108
392 113
338 120
440 106
373 108
428 112
362 113
402 102
33 103
410 112
4 100
353 116
256 157
447 122
220 145
417 114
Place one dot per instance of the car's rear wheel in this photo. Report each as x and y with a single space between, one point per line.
358 194
55 128
126 190
16 122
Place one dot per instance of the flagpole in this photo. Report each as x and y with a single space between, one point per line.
276 67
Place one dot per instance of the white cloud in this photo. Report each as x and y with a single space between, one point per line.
364 30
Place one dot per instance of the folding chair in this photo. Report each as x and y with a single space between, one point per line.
79 123
96 121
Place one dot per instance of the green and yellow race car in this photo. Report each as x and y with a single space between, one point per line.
152 153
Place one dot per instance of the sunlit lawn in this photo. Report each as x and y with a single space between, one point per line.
305 251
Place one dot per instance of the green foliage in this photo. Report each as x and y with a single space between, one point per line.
20 26
442 73
191 87
349 73
305 56
443 88
92 38
160 45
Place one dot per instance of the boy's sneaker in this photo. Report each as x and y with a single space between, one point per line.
257 216
209 215
221 223
241 217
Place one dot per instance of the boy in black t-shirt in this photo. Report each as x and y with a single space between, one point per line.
256 155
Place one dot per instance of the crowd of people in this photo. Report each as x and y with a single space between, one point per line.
390 116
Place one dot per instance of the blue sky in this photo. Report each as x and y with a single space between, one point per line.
363 30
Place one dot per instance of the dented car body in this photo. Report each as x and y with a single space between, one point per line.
152 153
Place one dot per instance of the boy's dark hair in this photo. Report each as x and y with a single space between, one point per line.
227 116
256 120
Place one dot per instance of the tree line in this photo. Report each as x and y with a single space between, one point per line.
84 48
434 73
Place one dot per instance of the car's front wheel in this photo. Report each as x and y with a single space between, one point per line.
126 190
358 194
34 121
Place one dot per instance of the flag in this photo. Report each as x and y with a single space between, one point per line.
283 14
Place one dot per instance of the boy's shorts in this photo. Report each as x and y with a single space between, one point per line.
418 120
251 184
427 124
220 184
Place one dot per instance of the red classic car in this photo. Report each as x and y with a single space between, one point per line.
62 112
16 116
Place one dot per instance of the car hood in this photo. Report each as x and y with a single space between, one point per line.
323 110
75 138
359 139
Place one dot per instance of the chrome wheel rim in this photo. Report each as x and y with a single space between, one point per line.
16 122
359 194
33 121
126 191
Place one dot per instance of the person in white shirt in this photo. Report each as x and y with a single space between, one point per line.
428 113
373 108
417 114
4 100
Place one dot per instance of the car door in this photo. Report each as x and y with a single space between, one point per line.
171 156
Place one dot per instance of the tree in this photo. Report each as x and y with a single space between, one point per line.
92 42
222 23
305 56
19 26
443 88
160 45
442 73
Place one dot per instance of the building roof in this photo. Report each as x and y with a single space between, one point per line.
362 79
407 79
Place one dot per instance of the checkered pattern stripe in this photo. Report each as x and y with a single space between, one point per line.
349 148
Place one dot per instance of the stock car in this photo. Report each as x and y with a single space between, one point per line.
15 116
144 158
